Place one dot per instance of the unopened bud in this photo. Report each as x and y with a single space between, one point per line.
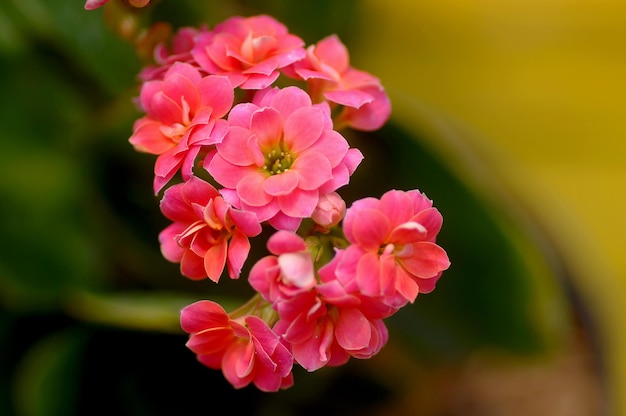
330 210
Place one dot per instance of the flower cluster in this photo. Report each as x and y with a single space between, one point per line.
244 120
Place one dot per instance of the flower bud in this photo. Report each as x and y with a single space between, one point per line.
329 210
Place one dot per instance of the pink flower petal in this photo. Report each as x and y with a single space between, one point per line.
259 81
432 220
238 250
290 99
299 204
333 52
217 93
167 163
303 127
178 86
350 98
238 363
267 125
406 286
368 275
228 175
192 266
236 150
174 207
370 116
148 137
202 315
285 242
169 247
370 228
312 170
333 146
407 233
165 109
397 206
429 260
428 285
313 354
352 331
250 189
215 260
297 269
94 4
241 114
263 212
282 221
280 184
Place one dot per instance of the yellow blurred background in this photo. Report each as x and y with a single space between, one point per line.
540 88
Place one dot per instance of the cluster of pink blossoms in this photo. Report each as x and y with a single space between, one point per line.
235 153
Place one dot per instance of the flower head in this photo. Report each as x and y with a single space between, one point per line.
327 331
280 155
207 233
285 273
183 114
249 51
178 50
245 348
275 157
393 252
329 76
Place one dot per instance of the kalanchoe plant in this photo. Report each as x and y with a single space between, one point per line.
273 157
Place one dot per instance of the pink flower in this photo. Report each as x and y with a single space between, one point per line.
329 76
178 51
329 331
245 349
183 114
341 289
329 211
393 253
286 273
207 232
305 325
94 4
249 51
280 155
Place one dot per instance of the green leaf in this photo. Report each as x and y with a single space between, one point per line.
97 57
47 377
47 245
148 311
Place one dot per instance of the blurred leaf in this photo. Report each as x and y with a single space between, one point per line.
95 52
46 245
47 377
11 40
150 311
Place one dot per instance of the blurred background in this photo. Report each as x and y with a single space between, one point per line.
508 114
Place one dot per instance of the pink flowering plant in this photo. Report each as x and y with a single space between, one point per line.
246 124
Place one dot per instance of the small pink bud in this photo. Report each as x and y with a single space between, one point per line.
330 210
